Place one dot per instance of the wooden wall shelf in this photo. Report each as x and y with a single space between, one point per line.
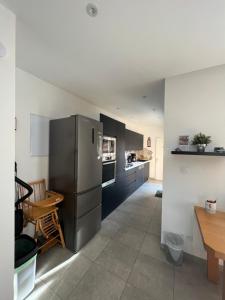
198 153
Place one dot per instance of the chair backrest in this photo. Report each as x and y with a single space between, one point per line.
22 191
39 190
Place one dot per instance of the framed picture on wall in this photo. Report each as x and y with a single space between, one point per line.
149 143
184 142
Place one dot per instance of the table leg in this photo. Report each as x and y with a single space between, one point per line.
212 267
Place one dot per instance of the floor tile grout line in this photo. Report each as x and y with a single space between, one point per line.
136 228
133 227
111 271
75 283
101 266
138 253
145 232
80 278
93 260
134 213
111 239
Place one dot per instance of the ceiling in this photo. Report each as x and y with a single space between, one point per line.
118 59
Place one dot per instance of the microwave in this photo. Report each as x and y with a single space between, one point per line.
108 148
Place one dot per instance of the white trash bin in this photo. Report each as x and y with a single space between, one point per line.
25 266
175 245
24 279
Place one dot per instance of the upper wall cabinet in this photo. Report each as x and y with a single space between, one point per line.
114 128
133 140
109 126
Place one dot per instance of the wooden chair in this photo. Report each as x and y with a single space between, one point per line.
40 209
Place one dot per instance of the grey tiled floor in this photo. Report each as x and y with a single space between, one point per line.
123 261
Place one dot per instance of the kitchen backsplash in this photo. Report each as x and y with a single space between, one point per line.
144 154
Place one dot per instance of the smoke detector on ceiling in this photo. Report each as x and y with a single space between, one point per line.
2 50
92 10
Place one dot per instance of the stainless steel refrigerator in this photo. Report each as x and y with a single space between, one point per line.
75 170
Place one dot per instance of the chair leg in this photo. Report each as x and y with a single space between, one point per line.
61 236
36 230
59 229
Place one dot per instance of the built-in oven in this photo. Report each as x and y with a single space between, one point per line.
108 172
108 148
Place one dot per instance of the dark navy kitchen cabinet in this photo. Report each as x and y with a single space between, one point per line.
109 126
120 148
114 128
133 140
108 202
140 176
126 181
135 177
131 179
113 195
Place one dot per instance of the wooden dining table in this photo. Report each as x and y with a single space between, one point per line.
212 228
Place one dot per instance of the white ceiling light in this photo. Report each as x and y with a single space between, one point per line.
92 10
2 50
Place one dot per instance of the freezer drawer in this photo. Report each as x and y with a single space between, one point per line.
87 201
87 226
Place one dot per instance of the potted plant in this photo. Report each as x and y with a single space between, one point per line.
201 141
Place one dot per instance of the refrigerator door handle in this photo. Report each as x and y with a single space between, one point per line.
93 135
99 145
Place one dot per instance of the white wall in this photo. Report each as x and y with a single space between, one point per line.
7 114
34 95
39 97
194 102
